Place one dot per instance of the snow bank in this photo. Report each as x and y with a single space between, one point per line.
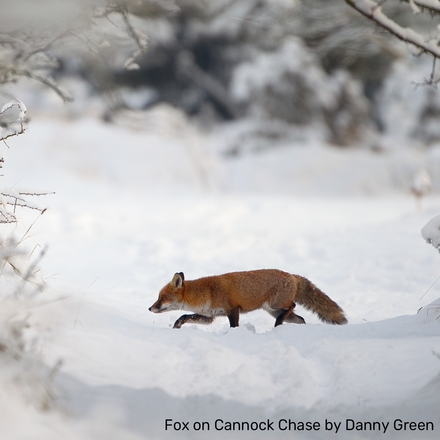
132 208
431 232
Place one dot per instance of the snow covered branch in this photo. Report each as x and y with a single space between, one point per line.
12 118
16 199
373 11
430 5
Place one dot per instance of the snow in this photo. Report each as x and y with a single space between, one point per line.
431 232
132 208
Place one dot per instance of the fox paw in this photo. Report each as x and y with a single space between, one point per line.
179 323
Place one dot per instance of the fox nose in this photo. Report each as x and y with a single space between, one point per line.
150 308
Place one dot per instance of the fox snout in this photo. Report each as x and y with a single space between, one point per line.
163 306
155 308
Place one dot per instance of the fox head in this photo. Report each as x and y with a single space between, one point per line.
171 296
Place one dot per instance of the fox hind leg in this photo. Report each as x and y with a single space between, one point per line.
283 315
293 318
289 316
194 319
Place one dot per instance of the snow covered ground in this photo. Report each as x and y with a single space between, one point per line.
132 208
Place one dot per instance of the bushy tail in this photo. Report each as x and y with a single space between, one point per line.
312 298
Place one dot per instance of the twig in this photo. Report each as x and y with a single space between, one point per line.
379 4
27 276
430 81
27 231
65 96
430 287
48 45
142 45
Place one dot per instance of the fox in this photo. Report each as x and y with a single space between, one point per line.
230 294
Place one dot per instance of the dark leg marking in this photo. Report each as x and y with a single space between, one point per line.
233 317
195 319
285 314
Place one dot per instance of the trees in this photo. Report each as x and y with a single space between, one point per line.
35 41
200 55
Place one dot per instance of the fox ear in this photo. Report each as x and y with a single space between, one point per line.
177 280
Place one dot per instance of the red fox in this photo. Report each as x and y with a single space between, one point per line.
239 292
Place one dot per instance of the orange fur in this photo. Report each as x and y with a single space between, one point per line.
239 292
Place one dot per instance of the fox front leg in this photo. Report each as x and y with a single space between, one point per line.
234 316
194 318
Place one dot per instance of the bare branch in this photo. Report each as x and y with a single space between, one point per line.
15 199
429 81
140 40
16 133
30 272
47 45
49 82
